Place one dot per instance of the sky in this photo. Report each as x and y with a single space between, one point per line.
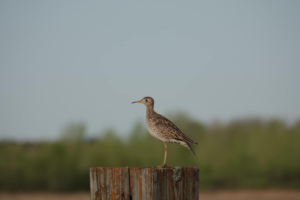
65 62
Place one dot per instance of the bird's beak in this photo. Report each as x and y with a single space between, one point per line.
137 101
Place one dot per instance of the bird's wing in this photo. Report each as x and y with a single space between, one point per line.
170 130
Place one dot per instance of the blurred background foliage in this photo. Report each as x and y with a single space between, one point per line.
249 153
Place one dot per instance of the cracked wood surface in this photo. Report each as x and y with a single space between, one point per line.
144 183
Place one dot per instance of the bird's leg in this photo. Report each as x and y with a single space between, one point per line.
166 152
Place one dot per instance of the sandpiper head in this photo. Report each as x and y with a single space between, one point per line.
147 101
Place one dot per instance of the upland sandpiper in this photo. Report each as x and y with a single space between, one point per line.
163 129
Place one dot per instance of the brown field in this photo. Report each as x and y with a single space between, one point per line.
217 195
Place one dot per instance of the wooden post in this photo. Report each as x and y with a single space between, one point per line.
149 183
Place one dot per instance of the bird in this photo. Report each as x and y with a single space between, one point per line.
163 129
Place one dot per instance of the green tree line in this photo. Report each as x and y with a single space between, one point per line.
250 153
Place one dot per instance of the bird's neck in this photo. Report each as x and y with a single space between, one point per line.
150 110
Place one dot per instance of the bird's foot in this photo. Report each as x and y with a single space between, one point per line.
164 165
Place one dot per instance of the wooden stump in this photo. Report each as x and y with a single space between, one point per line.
144 183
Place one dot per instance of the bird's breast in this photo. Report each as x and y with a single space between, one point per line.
153 130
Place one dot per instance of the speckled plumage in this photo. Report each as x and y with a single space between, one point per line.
163 129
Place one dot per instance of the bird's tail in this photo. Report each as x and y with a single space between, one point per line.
188 140
187 145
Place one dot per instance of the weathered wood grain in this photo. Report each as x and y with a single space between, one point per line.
109 183
147 183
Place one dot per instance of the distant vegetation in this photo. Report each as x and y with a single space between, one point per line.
242 154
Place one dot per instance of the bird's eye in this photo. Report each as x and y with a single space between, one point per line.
146 99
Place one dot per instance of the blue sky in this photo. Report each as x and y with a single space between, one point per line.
86 61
